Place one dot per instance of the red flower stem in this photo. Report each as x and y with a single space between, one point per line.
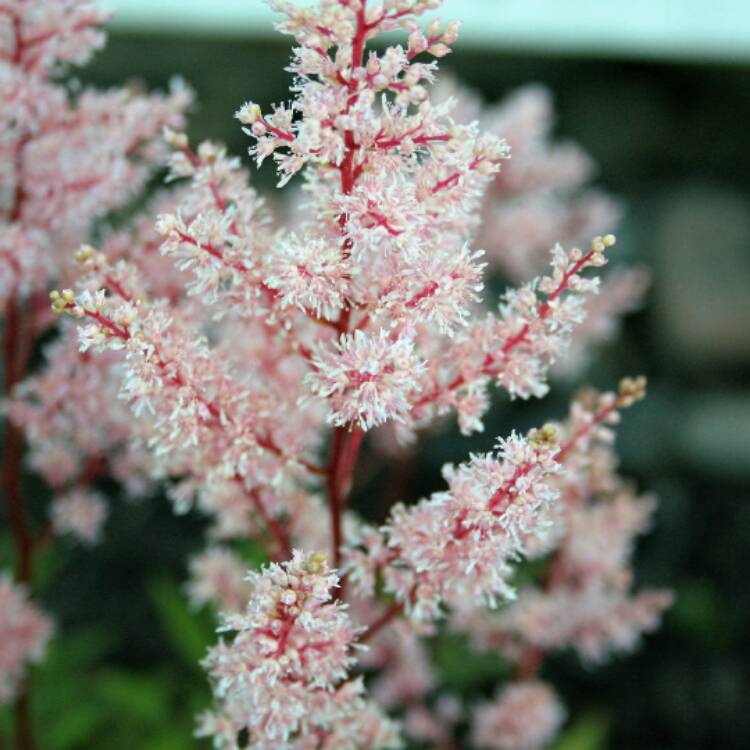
118 288
585 429
278 132
344 451
17 346
15 358
528 665
422 140
13 453
277 530
23 729
489 366
113 328
345 442
531 659
22 538
335 499
386 618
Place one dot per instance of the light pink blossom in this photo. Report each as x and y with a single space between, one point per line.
587 602
24 634
523 716
284 675
367 379
81 514
217 575
255 366
460 543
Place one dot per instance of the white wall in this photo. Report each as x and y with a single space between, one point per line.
688 29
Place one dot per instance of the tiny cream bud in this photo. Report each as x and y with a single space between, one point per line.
248 113
175 138
84 253
439 50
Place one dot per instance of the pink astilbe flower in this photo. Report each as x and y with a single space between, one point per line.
66 160
218 576
38 35
460 543
204 420
255 370
587 602
367 378
74 423
310 275
217 231
523 716
69 156
81 514
596 620
541 198
516 349
24 633
70 413
283 678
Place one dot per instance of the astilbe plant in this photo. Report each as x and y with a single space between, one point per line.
68 156
542 197
255 358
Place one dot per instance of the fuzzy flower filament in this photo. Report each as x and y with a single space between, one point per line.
284 675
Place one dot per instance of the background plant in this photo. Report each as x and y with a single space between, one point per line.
69 156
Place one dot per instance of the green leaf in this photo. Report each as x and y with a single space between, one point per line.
462 668
74 652
698 612
587 733
134 697
170 740
253 552
74 727
189 632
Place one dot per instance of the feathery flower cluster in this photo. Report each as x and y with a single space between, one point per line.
254 358
81 514
217 575
367 380
523 716
586 601
67 160
76 427
283 678
68 157
25 632
540 198
459 544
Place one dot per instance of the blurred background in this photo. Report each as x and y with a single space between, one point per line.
658 93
